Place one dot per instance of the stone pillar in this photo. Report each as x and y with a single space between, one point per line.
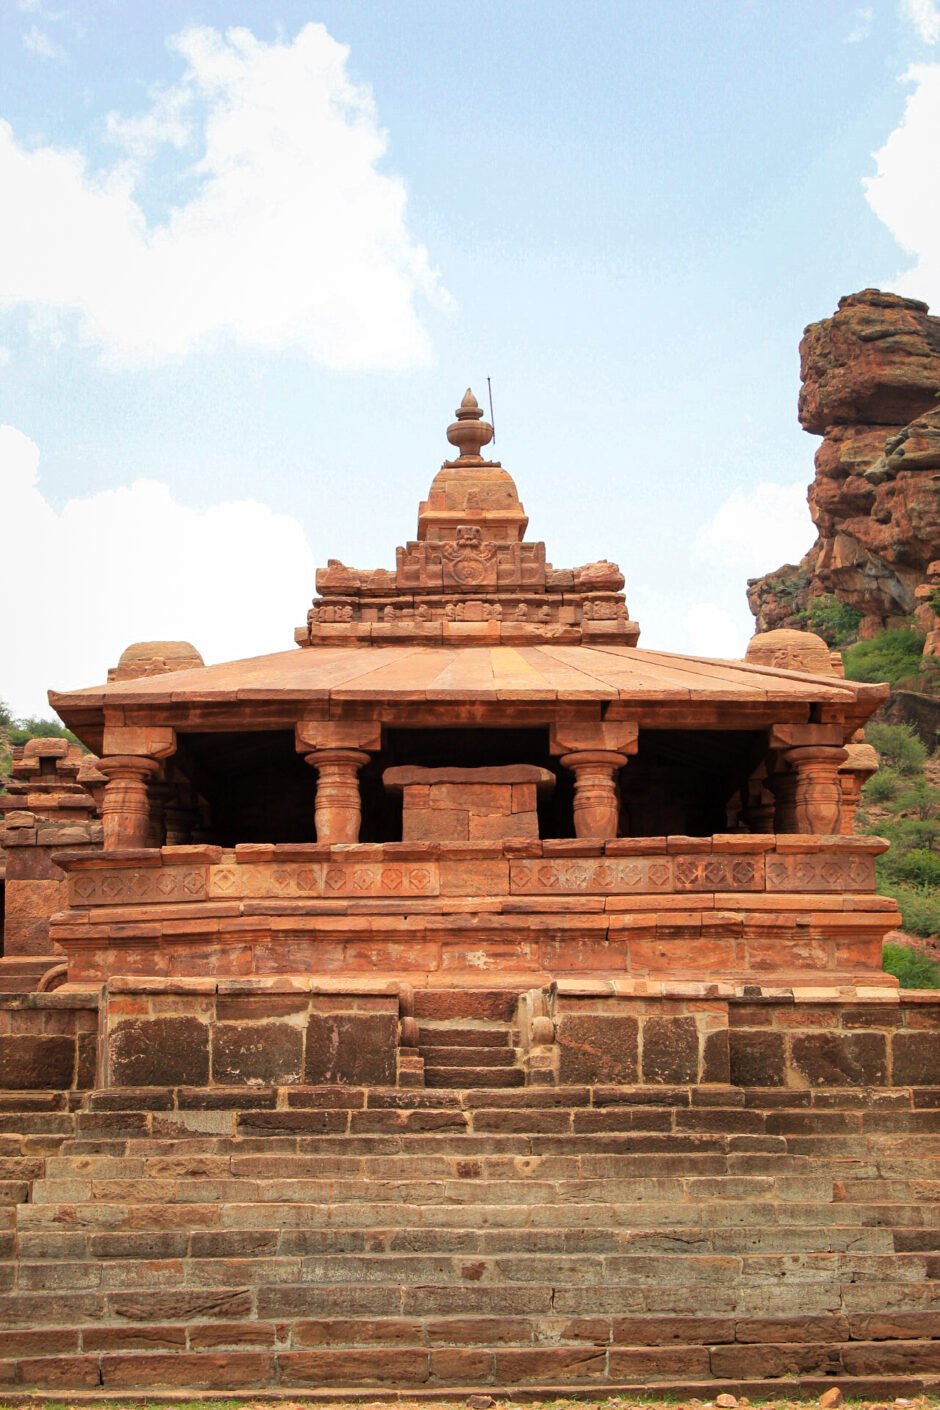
125 810
596 796
818 792
338 809
861 764
782 785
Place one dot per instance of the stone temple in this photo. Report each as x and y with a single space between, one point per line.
465 997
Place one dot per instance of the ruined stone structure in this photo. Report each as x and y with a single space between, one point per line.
871 377
471 998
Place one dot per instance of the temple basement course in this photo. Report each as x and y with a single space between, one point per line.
464 998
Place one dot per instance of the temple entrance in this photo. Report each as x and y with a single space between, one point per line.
687 782
255 787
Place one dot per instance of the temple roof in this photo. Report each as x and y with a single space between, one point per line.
539 672
473 613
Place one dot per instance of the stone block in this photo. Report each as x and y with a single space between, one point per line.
355 1366
840 1059
758 1059
257 1052
716 1059
670 1050
355 1049
159 1052
916 1059
597 1048
35 1060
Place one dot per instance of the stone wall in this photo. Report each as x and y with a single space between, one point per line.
48 1041
203 1033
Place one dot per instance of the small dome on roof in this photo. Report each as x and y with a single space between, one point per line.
790 650
154 658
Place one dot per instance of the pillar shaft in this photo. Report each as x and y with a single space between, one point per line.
817 800
596 796
125 809
338 808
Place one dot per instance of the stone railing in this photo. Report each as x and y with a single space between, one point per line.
410 872
727 906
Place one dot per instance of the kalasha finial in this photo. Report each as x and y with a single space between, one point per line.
469 433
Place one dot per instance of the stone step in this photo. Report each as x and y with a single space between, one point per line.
841 1179
467 1057
479 1035
843 1286
472 1185
473 1076
465 1005
476 1215
819 1104
56 1245
573 1163
683 1373
615 1278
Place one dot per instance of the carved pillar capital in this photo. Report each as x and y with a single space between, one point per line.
817 802
596 797
338 808
125 808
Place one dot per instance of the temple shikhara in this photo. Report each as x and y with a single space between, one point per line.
464 997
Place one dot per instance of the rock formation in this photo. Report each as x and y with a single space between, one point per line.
871 378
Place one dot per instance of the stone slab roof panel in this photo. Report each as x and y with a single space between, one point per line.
470 672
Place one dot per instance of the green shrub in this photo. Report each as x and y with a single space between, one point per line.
912 968
920 910
919 867
904 834
921 799
882 787
899 745
836 622
892 656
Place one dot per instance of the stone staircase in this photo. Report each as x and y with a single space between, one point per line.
675 1240
467 1039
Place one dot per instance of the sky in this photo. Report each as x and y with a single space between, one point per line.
253 252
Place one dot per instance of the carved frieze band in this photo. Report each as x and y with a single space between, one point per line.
346 879
128 886
699 872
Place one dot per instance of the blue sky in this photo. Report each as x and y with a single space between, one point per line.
252 254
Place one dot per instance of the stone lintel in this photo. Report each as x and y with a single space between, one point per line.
508 774
147 741
569 736
311 735
795 736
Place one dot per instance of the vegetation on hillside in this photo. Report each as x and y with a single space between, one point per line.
836 622
902 802
895 656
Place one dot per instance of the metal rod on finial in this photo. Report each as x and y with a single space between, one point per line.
489 391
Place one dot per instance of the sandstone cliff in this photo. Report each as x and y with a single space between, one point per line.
871 379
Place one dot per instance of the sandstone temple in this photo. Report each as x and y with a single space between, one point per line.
466 997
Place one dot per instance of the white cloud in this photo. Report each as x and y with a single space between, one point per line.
756 530
861 30
924 15
37 42
289 236
904 192
132 564
711 631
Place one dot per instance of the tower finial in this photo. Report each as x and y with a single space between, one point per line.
469 433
